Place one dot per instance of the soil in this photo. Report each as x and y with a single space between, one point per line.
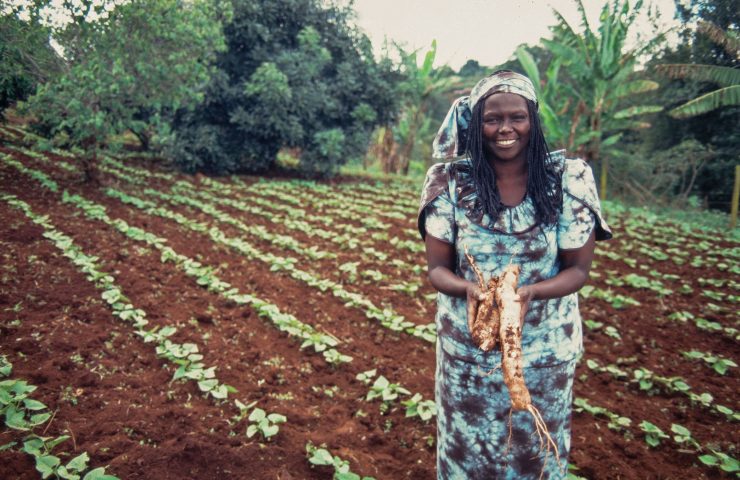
115 399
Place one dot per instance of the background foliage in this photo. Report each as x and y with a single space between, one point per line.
296 75
256 86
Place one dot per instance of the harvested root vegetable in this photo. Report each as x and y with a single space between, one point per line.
484 325
507 319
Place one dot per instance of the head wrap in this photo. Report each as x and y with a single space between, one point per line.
452 136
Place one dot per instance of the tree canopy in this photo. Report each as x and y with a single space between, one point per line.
27 58
127 70
296 74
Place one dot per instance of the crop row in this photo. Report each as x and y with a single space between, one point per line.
653 435
206 279
23 413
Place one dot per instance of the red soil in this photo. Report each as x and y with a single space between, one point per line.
111 393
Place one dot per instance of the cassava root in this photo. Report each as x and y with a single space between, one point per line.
497 320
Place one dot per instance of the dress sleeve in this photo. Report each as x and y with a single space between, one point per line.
436 186
581 207
440 219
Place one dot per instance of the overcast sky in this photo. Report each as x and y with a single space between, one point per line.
485 30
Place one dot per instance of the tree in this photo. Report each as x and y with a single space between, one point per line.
555 98
297 74
27 57
420 84
473 69
715 130
728 78
143 56
602 71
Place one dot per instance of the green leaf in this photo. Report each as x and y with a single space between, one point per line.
53 443
257 415
79 463
207 385
15 419
98 474
65 474
270 430
220 393
637 110
723 76
46 464
39 418
276 418
346 476
724 97
31 404
8 446
321 457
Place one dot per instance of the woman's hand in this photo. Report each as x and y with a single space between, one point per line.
524 295
474 297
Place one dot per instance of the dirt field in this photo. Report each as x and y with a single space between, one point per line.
113 395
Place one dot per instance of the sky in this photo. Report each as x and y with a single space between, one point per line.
484 30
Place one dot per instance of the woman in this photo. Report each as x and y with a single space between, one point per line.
508 201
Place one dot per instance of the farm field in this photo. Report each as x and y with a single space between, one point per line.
160 313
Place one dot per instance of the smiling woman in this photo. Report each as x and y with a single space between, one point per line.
507 201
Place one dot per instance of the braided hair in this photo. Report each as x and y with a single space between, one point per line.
543 182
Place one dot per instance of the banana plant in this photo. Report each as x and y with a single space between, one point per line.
601 69
727 78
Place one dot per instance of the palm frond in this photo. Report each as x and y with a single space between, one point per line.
720 37
724 97
530 66
634 87
637 110
723 76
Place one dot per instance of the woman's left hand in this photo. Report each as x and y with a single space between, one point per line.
524 295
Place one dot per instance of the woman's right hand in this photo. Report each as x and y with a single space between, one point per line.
474 296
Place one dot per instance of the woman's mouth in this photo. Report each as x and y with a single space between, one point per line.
505 143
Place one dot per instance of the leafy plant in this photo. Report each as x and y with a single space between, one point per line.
653 434
721 460
683 436
264 423
385 391
417 407
47 464
718 364
321 456
616 422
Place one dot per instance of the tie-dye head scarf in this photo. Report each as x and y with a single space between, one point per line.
452 136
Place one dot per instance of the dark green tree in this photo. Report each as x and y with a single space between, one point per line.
603 71
297 74
141 56
716 131
26 58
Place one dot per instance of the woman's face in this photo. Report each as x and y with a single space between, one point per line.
505 127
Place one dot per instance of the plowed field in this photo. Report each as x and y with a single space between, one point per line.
351 273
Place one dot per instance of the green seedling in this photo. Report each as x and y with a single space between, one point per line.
417 407
721 460
264 423
321 456
718 364
682 436
653 434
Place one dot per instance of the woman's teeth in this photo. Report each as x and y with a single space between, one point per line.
505 143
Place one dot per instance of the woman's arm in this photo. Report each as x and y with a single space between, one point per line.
441 270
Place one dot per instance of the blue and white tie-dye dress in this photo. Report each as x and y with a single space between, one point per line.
473 406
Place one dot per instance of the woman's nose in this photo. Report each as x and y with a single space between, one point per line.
505 126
